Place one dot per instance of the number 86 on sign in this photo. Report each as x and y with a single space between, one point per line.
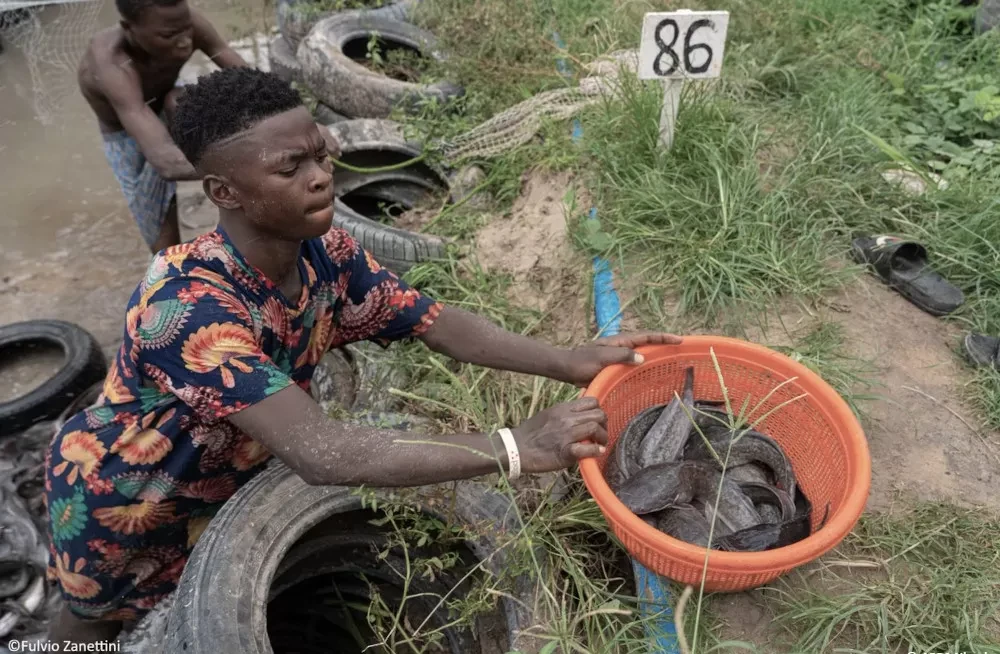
682 44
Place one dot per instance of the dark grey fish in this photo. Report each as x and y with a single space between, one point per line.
685 523
665 440
735 510
767 495
666 485
769 514
748 472
765 537
622 462
748 447
658 487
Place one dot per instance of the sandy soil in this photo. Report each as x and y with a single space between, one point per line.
533 246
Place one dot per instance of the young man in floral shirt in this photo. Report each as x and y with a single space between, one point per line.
221 339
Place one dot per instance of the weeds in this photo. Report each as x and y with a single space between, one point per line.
933 588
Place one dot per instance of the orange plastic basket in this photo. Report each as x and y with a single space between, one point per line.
819 433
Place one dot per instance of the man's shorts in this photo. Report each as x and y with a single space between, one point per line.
148 195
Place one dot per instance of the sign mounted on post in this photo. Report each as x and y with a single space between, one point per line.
680 45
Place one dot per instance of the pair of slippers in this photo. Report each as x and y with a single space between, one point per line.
903 265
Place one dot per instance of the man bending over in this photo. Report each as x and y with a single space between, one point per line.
128 76
220 342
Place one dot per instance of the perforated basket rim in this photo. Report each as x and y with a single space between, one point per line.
825 399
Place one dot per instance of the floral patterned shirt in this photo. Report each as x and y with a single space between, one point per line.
133 481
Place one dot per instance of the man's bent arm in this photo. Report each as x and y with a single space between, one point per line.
123 90
322 451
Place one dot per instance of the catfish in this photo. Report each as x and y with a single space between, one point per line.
665 440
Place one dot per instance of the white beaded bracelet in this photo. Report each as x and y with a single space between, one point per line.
513 456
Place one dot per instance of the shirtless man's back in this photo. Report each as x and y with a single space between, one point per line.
128 76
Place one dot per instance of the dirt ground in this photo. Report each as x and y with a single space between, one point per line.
926 442
533 246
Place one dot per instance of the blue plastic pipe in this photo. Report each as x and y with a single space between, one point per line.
652 590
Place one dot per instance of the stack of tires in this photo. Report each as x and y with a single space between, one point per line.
321 51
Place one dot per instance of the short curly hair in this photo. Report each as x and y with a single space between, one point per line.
131 10
227 102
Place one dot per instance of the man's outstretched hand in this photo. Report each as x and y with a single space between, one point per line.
551 439
584 362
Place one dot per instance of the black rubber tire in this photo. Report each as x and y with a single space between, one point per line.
396 249
84 366
350 88
372 143
296 17
349 182
281 57
221 600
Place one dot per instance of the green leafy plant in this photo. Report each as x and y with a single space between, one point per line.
949 122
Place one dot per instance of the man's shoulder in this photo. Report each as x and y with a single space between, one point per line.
105 54
204 260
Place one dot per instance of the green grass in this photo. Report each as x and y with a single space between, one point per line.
928 585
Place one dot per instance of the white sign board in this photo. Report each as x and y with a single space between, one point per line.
682 44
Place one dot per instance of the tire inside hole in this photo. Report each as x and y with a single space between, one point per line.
381 198
374 208
407 69
387 201
321 595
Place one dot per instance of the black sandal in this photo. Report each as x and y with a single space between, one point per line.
981 350
903 266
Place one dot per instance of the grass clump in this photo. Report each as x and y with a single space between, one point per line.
925 581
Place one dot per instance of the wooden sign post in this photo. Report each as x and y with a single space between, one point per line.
677 46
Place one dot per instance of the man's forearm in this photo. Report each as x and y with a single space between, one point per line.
395 458
469 338
173 166
290 424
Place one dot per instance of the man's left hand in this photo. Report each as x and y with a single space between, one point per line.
584 362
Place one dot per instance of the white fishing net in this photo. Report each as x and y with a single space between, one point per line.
52 35
519 124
